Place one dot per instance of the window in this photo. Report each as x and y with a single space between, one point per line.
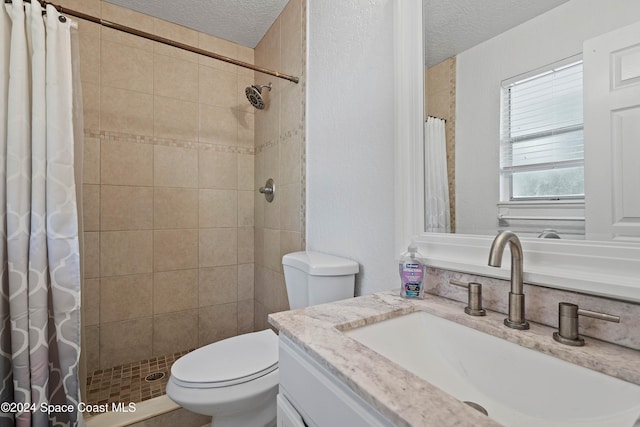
541 135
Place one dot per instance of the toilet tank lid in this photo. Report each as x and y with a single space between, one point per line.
319 264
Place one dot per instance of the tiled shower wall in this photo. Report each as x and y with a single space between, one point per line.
279 138
168 190
440 94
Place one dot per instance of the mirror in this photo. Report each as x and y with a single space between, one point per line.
465 90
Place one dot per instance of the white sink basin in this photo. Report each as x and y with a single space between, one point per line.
516 386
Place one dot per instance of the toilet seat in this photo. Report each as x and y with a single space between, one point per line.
225 363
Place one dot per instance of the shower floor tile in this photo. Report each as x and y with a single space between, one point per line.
127 383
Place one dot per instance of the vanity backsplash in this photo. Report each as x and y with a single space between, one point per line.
542 305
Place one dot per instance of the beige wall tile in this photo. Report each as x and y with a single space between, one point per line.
91 255
175 249
126 67
260 279
259 317
91 347
246 172
91 301
218 247
438 77
125 297
175 332
245 208
126 208
245 54
217 323
245 281
175 291
175 208
218 125
125 252
90 7
126 341
89 45
91 207
272 258
292 108
175 167
218 208
219 46
291 160
245 245
91 161
246 129
275 296
290 207
271 210
217 169
290 241
291 38
267 52
175 119
129 18
126 163
177 33
217 87
175 78
258 245
217 285
91 105
126 111
245 316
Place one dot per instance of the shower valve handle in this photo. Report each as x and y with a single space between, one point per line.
268 190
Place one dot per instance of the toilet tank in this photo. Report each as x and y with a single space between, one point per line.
316 278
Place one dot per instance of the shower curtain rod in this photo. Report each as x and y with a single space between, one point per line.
133 31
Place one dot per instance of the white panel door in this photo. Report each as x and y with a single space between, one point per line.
612 134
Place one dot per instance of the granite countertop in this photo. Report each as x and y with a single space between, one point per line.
404 398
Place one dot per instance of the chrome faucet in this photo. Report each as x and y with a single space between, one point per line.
516 318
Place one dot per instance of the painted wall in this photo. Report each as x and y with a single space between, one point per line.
556 35
279 140
168 190
350 136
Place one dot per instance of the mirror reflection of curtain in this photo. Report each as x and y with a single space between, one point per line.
39 257
436 181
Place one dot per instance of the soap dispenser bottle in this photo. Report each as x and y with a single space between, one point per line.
412 271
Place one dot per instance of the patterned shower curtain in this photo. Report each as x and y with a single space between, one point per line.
39 247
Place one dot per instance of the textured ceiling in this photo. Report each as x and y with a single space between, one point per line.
453 26
241 21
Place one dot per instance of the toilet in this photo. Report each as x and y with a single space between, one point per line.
235 380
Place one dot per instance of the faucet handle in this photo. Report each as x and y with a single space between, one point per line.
568 323
475 297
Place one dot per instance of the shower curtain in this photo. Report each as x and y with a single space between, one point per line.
436 179
39 246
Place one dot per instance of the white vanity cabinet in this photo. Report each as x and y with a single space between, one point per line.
309 391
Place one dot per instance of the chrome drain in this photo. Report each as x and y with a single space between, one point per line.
156 376
477 407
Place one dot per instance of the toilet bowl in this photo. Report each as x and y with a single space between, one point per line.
235 380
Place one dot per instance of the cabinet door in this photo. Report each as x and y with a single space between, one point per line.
612 134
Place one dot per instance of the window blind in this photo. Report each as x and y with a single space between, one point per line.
541 135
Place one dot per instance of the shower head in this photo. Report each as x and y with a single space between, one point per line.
254 95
